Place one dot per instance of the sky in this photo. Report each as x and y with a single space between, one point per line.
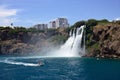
30 12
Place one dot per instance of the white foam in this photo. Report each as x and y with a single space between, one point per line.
18 63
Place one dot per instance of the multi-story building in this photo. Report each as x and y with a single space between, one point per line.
41 26
62 22
59 22
52 24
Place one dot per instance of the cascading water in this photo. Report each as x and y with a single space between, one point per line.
73 47
78 48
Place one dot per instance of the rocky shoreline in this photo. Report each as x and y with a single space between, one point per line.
112 56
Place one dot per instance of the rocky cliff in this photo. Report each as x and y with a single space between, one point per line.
24 42
102 39
105 41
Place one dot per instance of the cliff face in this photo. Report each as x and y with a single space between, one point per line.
106 41
103 40
24 43
15 46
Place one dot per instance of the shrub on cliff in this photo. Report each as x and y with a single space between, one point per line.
79 23
90 24
103 21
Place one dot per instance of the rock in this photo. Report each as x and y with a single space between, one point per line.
15 47
108 38
24 42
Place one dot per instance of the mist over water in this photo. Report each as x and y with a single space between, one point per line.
73 47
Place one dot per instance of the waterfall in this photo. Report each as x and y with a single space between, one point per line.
74 46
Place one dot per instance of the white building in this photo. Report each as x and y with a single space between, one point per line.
59 22
41 26
52 24
62 22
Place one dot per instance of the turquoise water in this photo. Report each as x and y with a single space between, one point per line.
25 68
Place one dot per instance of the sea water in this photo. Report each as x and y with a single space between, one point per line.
27 68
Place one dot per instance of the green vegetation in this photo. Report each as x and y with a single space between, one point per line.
59 35
79 23
97 32
90 25
89 28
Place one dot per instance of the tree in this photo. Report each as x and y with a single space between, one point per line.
104 20
79 23
91 22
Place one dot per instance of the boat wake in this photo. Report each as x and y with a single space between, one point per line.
7 61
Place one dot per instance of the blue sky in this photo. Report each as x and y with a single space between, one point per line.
30 12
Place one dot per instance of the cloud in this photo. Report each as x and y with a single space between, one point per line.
7 15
